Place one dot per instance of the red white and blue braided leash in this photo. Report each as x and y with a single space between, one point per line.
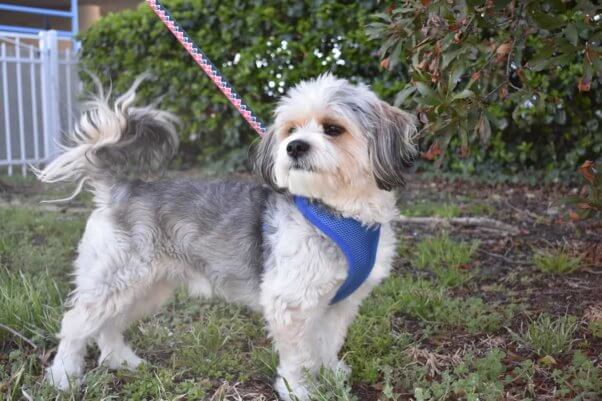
210 69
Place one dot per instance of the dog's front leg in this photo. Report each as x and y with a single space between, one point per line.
293 332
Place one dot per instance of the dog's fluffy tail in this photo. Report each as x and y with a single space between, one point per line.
111 143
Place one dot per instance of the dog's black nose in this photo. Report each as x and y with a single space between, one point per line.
297 148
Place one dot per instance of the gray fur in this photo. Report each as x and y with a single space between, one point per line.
390 149
147 145
262 155
389 133
214 227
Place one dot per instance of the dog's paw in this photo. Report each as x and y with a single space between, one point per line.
126 359
291 391
57 376
342 368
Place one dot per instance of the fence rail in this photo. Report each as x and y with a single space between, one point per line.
38 88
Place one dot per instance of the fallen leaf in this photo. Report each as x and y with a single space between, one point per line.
503 49
548 360
503 92
593 313
584 85
586 171
574 216
385 63
433 152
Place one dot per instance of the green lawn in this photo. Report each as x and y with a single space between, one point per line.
443 327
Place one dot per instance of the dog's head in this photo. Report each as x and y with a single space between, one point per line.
331 137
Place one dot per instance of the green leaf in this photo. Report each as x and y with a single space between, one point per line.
484 129
465 94
539 64
425 90
571 34
500 4
403 95
454 76
588 72
546 20
475 3
450 56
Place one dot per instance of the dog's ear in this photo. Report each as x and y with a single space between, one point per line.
391 147
263 155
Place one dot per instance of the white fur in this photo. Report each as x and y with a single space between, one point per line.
119 278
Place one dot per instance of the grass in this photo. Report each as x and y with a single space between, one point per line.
547 335
447 259
31 305
331 385
446 210
418 335
556 261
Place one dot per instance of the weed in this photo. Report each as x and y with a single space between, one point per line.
446 258
445 210
480 209
549 336
556 261
523 377
582 379
373 342
473 379
265 361
331 385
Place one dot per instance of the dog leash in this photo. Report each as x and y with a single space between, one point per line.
357 242
206 65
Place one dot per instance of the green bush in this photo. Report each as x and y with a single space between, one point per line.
501 83
261 46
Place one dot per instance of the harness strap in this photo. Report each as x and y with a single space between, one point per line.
210 69
358 243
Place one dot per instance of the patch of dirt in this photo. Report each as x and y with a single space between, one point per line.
505 272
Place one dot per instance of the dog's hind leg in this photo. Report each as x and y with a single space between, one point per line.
102 313
114 352
113 286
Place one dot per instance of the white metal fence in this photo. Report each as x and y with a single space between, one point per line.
39 87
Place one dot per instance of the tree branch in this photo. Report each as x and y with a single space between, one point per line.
462 221
17 334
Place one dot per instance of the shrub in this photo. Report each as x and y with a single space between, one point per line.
510 83
263 47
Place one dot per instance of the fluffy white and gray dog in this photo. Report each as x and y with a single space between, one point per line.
331 141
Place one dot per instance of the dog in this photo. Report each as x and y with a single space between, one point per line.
331 141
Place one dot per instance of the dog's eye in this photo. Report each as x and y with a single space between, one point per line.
291 130
333 130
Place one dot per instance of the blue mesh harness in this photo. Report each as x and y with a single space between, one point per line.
358 243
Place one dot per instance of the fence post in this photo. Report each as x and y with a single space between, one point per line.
49 71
